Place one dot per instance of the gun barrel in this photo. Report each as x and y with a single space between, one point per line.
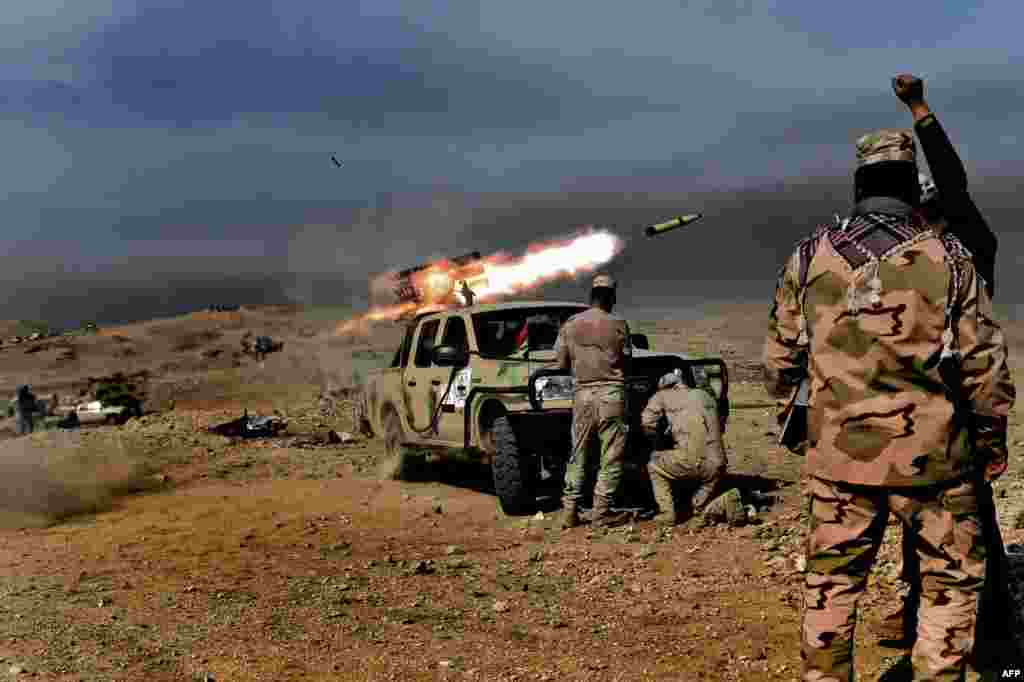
669 225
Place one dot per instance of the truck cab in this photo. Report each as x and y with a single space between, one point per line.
482 379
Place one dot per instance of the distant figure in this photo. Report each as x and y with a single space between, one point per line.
697 458
25 408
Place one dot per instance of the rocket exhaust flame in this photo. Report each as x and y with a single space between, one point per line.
437 285
545 263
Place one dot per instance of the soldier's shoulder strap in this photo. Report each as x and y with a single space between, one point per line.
957 257
805 251
807 247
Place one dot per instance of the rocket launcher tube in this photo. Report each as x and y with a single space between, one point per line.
435 282
669 225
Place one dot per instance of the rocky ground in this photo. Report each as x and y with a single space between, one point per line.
157 549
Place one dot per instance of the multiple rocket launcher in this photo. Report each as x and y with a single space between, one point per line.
442 282
434 283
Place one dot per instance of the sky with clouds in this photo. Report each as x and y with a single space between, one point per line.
164 155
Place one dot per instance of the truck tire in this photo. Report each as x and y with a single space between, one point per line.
515 473
401 460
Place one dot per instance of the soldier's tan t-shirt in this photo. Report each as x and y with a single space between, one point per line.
595 346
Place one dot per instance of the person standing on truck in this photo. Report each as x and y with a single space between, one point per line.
697 458
595 345
893 326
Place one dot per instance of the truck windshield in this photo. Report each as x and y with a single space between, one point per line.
511 331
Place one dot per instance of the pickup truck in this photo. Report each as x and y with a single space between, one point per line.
481 379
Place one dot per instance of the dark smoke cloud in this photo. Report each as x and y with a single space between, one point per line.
734 253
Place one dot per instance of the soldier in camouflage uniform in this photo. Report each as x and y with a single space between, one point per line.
894 328
697 457
595 345
953 209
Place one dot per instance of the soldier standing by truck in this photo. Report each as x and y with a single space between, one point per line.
595 345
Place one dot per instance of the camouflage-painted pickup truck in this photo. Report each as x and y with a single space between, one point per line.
482 379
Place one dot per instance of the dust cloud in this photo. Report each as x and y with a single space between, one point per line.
51 476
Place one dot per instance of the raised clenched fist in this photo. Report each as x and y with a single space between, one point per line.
910 89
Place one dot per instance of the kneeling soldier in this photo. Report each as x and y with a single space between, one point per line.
697 458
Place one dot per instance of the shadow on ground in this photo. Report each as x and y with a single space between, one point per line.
900 671
636 492
749 484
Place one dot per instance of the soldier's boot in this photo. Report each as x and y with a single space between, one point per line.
603 517
726 508
702 495
570 517
666 505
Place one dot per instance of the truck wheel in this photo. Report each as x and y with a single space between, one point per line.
401 461
515 473
365 427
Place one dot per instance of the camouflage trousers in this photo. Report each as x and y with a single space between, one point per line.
697 476
996 642
847 524
597 411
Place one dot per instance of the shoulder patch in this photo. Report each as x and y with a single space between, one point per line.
806 249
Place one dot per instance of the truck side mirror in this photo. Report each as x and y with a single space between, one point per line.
451 356
639 341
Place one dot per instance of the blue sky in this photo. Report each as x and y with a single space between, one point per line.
172 145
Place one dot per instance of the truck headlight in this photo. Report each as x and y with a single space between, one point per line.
556 388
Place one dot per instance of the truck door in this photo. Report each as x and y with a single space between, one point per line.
452 420
419 391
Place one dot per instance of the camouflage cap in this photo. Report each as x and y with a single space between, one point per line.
603 280
886 145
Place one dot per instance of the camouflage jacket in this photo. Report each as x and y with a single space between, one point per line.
875 308
595 346
692 416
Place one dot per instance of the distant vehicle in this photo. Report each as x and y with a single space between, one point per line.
96 412
480 379
265 345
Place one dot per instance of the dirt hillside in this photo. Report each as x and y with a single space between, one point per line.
158 550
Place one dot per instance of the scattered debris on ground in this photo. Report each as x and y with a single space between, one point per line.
251 426
282 556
